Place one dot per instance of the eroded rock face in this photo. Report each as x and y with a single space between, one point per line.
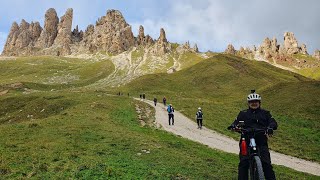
303 49
290 43
143 40
22 38
316 54
161 46
76 35
111 34
230 50
11 39
64 29
50 31
187 48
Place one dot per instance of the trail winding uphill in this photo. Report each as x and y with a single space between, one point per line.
186 128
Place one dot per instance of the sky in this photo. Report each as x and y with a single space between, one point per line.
212 24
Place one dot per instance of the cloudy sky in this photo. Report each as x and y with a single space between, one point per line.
212 24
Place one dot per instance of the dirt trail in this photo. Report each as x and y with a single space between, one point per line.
186 128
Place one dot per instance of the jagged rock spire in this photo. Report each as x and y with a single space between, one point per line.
230 49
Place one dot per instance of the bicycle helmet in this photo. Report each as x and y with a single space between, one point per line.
253 96
199 108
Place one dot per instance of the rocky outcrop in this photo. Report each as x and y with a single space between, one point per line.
303 49
162 46
230 50
111 34
143 40
290 43
63 38
187 48
195 48
50 31
22 38
316 54
76 35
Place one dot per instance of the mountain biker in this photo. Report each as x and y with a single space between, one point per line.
256 117
155 101
170 114
164 101
199 117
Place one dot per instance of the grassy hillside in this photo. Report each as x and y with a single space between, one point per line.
46 72
220 85
95 136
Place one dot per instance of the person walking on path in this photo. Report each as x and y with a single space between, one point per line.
170 114
140 96
144 96
155 100
164 101
199 117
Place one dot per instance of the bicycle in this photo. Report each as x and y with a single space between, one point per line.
252 151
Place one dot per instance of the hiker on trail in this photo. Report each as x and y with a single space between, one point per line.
164 101
144 96
170 114
155 101
256 117
199 117
140 96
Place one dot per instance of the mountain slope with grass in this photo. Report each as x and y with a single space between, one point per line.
220 85
73 142
75 129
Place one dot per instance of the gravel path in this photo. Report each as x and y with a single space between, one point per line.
186 128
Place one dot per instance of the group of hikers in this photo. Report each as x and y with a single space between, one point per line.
170 110
253 117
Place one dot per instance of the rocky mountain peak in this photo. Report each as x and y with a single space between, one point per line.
111 34
162 36
230 49
290 43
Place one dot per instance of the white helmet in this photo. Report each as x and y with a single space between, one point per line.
199 108
253 96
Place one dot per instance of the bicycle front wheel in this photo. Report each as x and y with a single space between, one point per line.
257 169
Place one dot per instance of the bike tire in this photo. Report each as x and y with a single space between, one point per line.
258 174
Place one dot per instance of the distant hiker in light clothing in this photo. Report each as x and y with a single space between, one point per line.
199 117
170 114
155 100
164 101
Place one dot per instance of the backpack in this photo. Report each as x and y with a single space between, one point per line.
199 115
169 109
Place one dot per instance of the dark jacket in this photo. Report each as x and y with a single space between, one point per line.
258 118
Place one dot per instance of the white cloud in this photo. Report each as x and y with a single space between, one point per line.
214 24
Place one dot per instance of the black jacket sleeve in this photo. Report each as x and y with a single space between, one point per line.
272 123
236 121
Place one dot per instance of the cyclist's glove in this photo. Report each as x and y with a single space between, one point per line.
232 126
270 131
